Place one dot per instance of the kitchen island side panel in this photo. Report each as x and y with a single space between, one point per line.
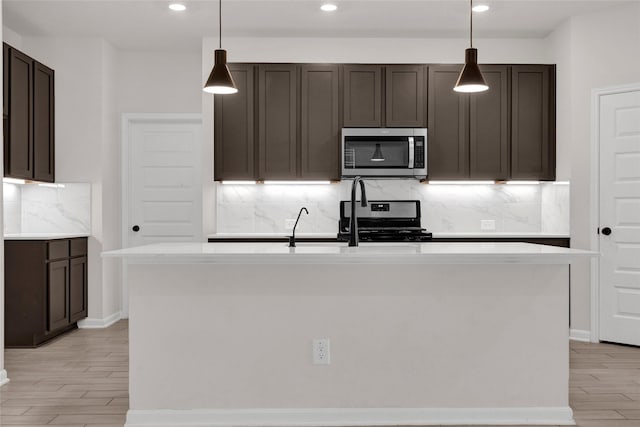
216 336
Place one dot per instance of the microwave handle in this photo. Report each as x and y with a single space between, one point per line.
411 152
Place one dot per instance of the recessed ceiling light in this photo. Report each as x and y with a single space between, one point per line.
480 8
178 7
329 7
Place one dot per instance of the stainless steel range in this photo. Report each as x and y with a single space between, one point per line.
384 221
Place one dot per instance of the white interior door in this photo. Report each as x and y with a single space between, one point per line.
164 181
620 217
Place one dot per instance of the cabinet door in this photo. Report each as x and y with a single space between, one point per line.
57 295
77 289
319 121
448 117
362 95
19 159
489 126
234 139
5 80
532 122
43 122
277 116
405 96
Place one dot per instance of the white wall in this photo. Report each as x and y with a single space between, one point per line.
593 51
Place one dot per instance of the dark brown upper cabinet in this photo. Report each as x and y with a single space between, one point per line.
43 123
277 121
5 80
448 125
533 144
405 96
489 126
363 95
320 122
402 95
18 161
234 150
29 105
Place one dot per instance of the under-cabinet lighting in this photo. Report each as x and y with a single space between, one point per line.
51 185
328 7
238 182
560 183
178 7
522 182
480 8
13 181
297 182
461 182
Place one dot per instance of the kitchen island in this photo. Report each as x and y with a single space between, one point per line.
435 333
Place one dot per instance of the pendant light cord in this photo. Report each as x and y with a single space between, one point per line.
220 22
470 23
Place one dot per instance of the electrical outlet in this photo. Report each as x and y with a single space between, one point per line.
289 223
487 224
321 352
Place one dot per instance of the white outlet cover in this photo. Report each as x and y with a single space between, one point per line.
321 351
487 224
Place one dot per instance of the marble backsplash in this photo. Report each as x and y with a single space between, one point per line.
525 208
47 208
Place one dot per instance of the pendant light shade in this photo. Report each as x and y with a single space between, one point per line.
470 79
377 155
220 80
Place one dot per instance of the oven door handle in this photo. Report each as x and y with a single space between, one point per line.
411 152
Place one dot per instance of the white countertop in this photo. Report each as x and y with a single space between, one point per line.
443 235
43 236
340 253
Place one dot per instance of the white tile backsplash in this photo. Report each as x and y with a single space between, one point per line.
445 208
33 208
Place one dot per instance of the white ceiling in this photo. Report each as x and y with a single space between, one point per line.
150 25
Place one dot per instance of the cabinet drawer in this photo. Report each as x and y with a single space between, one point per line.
58 249
78 247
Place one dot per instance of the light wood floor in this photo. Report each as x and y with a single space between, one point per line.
81 380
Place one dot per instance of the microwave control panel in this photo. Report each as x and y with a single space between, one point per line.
419 153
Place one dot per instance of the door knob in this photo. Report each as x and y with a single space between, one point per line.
136 228
606 231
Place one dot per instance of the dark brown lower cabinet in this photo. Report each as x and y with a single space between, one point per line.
45 289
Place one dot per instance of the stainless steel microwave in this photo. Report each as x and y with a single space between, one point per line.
384 152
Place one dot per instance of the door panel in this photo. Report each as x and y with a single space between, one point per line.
234 131
448 142
362 96
57 295
489 126
277 136
620 211
165 181
405 96
319 122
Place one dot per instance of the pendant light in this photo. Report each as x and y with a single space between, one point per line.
377 155
470 79
220 80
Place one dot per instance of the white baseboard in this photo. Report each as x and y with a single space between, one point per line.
3 377
90 323
349 417
579 335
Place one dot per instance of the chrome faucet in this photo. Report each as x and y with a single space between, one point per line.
292 238
353 220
